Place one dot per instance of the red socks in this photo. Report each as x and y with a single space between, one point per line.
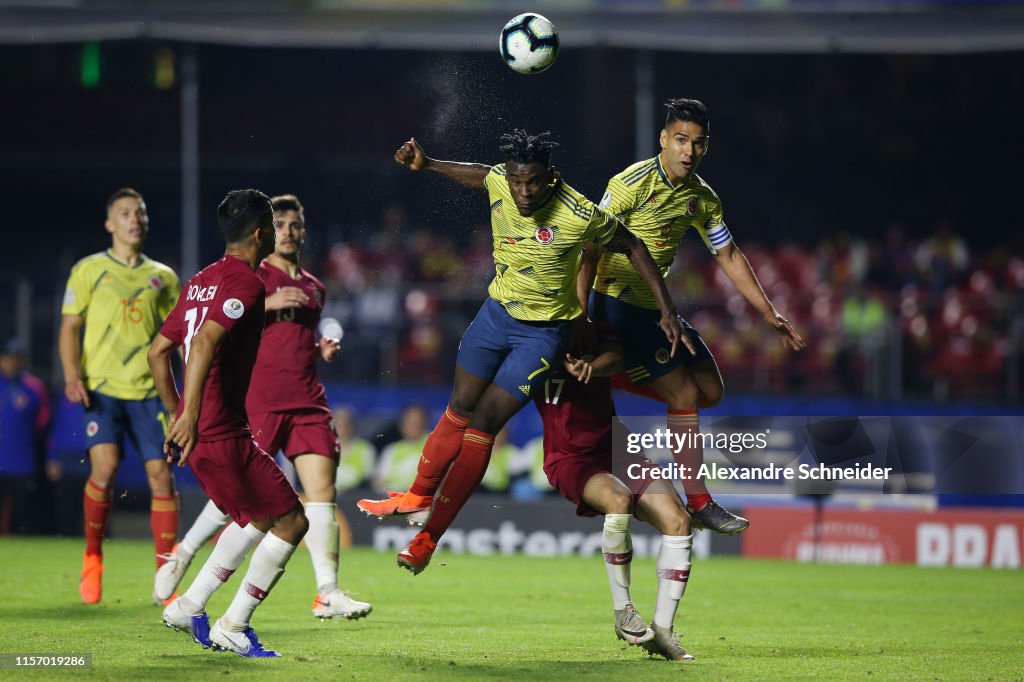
163 519
97 502
463 477
691 456
443 445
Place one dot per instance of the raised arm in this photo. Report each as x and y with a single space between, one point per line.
737 268
624 241
184 432
470 175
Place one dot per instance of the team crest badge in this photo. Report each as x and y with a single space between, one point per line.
692 206
544 234
91 429
156 283
319 296
661 355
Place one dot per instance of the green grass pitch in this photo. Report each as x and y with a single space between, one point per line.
527 618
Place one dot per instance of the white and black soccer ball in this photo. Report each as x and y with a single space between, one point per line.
528 44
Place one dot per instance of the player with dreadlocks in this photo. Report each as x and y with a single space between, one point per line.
539 226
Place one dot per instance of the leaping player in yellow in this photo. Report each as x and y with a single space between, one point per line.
660 200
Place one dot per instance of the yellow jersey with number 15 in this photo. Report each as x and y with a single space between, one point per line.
660 215
123 307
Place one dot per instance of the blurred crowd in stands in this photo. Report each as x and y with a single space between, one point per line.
884 318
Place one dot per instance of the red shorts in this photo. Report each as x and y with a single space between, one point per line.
243 481
569 475
295 433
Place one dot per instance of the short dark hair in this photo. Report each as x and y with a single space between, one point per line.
122 193
241 212
521 147
288 202
686 110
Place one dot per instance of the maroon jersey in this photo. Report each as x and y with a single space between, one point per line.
229 293
577 418
285 377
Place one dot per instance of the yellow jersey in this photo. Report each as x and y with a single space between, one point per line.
536 257
660 215
123 307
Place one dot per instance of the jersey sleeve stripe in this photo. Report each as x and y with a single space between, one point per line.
642 169
640 178
639 172
572 205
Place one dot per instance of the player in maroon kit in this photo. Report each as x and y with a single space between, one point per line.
577 412
287 410
219 320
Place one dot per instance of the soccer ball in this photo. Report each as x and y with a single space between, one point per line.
528 44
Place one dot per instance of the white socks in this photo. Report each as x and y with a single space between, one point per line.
617 547
210 521
266 567
673 572
322 543
227 556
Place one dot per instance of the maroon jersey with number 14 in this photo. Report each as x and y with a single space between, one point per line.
229 293
285 377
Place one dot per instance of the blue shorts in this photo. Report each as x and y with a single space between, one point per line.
144 422
646 350
511 353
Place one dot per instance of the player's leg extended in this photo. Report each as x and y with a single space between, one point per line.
610 496
188 613
494 410
232 632
316 473
146 426
445 441
481 352
661 507
262 497
533 351
680 391
163 508
97 501
206 525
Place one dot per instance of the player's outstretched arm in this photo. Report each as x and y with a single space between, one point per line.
737 268
70 343
624 241
472 175
184 432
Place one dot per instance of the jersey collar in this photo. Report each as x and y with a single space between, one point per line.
661 172
142 259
